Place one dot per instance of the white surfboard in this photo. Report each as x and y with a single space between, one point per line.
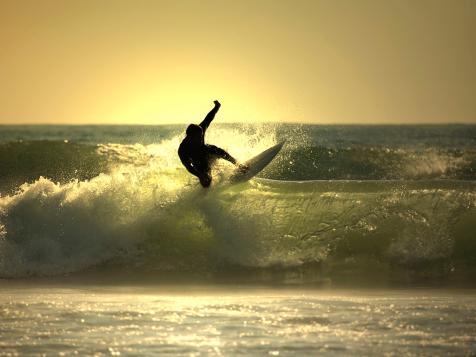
256 164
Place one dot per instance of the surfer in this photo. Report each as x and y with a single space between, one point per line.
196 156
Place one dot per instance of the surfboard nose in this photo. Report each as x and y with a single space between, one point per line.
256 164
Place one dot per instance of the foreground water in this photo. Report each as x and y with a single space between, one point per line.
231 320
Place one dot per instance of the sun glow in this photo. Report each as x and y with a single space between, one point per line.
315 61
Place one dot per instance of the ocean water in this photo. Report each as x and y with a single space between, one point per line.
103 224
213 321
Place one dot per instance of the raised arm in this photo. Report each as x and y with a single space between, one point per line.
208 119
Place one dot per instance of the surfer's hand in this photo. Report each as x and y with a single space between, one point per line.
243 168
217 103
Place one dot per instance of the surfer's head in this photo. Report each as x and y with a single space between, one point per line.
194 131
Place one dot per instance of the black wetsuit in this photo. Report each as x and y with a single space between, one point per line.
197 156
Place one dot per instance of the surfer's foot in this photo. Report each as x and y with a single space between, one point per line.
217 103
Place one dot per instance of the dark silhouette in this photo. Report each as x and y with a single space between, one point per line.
197 156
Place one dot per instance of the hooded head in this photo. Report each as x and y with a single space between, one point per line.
195 132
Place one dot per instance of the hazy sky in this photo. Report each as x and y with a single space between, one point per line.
334 61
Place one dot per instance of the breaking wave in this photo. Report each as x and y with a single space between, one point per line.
133 207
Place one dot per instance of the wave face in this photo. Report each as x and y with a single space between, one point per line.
91 204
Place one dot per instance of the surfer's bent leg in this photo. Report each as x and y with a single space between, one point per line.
220 153
205 179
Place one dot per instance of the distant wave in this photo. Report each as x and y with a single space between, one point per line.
60 161
63 161
373 163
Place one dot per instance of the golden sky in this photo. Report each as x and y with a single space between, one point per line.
315 61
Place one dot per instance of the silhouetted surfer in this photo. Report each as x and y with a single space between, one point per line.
197 156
